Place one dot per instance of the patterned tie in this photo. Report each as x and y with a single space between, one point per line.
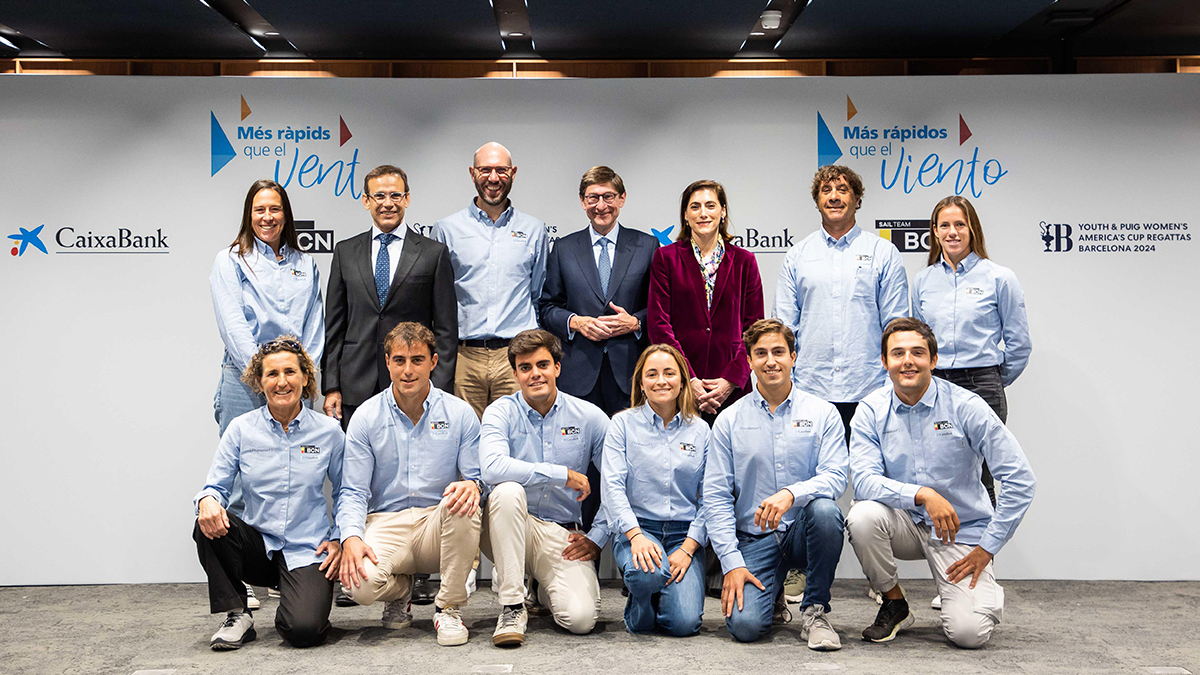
605 266
383 266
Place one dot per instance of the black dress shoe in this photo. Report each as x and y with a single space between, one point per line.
343 600
424 589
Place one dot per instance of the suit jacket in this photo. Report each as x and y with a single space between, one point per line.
711 340
422 290
573 287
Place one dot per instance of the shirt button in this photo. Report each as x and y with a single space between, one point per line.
707 330
837 369
778 466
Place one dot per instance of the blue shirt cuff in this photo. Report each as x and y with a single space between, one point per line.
732 561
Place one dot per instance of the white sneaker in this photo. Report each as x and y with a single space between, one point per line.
397 614
510 627
471 586
236 630
251 599
937 602
450 628
815 627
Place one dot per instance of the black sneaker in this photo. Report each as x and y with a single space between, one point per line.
342 599
893 615
424 589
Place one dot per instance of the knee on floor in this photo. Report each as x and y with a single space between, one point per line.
744 628
968 632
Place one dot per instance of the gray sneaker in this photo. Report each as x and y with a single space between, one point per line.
236 630
793 586
510 628
397 614
815 627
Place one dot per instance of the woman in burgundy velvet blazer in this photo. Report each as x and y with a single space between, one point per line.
679 312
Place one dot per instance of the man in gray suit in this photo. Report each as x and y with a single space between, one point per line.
377 279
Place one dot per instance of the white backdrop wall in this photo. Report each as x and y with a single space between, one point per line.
111 356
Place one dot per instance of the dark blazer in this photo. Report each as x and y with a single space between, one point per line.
711 340
573 287
422 290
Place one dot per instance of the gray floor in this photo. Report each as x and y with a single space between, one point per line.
1049 627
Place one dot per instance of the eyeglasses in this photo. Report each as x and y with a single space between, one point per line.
594 199
280 345
501 171
381 197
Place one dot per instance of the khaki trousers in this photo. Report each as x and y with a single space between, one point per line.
517 542
482 375
881 534
418 541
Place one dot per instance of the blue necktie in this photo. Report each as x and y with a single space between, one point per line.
605 266
383 266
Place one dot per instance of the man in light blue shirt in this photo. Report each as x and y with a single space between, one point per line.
535 446
837 289
409 501
916 454
499 259
776 463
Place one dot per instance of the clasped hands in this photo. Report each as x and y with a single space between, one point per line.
596 328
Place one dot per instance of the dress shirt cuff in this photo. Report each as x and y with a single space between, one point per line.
732 561
207 492
991 543
598 536
700 534
570 333
627 522
908 495
352 531
800 496
557 473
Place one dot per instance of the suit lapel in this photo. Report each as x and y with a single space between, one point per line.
583 258
622 256
409 253
362 260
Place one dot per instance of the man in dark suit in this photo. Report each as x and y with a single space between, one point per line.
377 279
594 300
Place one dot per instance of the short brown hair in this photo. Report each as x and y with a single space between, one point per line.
384 170
904 324
686 401
764 326
832 172
529 341
978 247
284 343
601 175
685 230
410 333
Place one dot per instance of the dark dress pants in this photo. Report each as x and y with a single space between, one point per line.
985 382
608 396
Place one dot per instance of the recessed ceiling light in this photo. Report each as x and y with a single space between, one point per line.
771 19
516 35
272 33
757 33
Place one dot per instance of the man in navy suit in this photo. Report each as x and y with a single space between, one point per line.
594 300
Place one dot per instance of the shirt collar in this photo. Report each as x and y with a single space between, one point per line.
485 218
299 423
928 399
425 405
760 403
611 236
719 248
966 264
848 237
398 232
265 250
533 414
655 421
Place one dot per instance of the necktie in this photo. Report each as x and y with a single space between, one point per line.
605 265
383 266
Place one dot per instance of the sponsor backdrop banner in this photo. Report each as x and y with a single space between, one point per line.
117 193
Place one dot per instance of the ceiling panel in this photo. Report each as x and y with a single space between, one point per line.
910 28
129 29
1145 27
386 29
643 29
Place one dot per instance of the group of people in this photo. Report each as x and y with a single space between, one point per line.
484 392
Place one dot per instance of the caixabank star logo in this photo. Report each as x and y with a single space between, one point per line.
26 238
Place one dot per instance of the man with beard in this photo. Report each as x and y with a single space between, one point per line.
499 258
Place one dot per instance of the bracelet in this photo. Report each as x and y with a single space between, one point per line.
639 533
689 555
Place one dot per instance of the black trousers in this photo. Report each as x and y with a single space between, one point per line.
305 595
609 397
846 410
985 382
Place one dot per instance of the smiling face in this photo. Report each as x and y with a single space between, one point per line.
953 233
409 364
909 364
661 380
704 213
266 217
389 213
537 374
493 174
602 204
837 203
771 360
282 382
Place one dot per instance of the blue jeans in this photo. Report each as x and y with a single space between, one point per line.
676 609
813 543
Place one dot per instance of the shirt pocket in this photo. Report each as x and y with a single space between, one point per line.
439 465
310 463
513 255
865 282
570 450
949 459
262 472
799 441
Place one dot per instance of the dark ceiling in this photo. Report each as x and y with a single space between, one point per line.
595 29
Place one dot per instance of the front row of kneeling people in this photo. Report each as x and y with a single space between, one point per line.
422 486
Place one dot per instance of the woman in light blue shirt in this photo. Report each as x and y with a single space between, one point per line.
282 452
975 307
653 468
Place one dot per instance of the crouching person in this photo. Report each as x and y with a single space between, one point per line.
282 452
535 446
917 449
410 493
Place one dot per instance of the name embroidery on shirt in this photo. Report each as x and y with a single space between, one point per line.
310 450
569 432
974 291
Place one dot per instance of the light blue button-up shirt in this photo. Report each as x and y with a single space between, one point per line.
518 444
282 479
971 309
837 295
258 298
392 464
499 269
654 473
940 443
755 453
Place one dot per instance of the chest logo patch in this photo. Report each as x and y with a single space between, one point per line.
863 257
518 235
441 425
569 432
688 448
943 426
802 424
299 274
310 450
974 291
